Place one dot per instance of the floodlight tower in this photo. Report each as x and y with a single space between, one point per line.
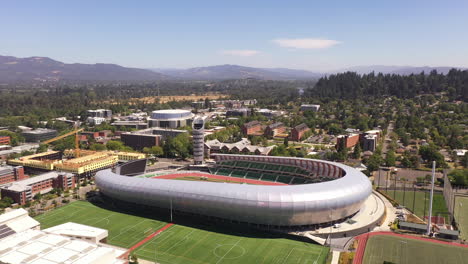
198 133
428 231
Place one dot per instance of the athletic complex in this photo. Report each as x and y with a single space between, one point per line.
279 192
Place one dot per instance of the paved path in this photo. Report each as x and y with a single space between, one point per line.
146 239
335 257
362 241
218 177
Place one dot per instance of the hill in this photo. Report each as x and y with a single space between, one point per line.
399 70
43 69
227 71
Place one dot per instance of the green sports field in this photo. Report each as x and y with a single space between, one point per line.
399 250
183 244
406 199
461 215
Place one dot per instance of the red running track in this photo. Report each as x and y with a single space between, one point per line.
146 239
362 241
218 177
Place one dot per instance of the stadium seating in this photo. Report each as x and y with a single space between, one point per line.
238 174
253 175
223 172
288 174
284 179
269 177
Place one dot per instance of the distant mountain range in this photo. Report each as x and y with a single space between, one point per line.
223 72
400 70
43 69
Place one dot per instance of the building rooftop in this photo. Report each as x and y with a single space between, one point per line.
74 229
276 125
39 131
301 127
38 247
413 225
19 186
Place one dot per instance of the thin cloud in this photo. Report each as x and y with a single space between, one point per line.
240 53
306 43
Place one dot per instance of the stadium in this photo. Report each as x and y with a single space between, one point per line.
274 191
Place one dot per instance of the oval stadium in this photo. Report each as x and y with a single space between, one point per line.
306 192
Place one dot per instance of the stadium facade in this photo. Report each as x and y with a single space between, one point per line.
330 192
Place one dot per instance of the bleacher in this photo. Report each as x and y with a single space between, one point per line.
253 175
223 172
288 174
269 177
238 174
284 179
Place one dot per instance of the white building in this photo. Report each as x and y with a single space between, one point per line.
95 121
21 241
310 107
171 118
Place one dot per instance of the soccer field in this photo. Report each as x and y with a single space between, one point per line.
182 244
407 198
400 250
461 215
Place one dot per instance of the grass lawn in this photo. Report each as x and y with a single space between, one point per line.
438 209
461 215
399 250
183 244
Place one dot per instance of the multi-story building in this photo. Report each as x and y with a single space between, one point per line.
4 140
130 124
171 118
242 112
10 174
105 113
40 134
274 129
148 137
198 132
350 140
24 190
95 121
139 141
369 142
251 128
310 107
298 132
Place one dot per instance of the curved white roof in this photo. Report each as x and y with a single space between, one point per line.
285 205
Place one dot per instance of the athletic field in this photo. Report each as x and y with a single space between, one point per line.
401 250
407 199
461 215
182 244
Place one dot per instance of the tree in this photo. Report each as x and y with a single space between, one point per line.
155 150
459 177
97 147
286 141
115 145
357 151
374 162
14 138
390 158
42 148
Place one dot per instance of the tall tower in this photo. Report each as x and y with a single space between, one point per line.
198 131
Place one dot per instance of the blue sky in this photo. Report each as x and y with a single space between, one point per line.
314 35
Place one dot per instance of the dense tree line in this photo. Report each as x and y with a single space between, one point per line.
351 85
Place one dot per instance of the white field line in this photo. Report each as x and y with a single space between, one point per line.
181 240
229 251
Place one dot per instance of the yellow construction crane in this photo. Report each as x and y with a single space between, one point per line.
77 140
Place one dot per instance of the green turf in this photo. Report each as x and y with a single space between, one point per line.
124 230
382 248
461 215
438 208
188 245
